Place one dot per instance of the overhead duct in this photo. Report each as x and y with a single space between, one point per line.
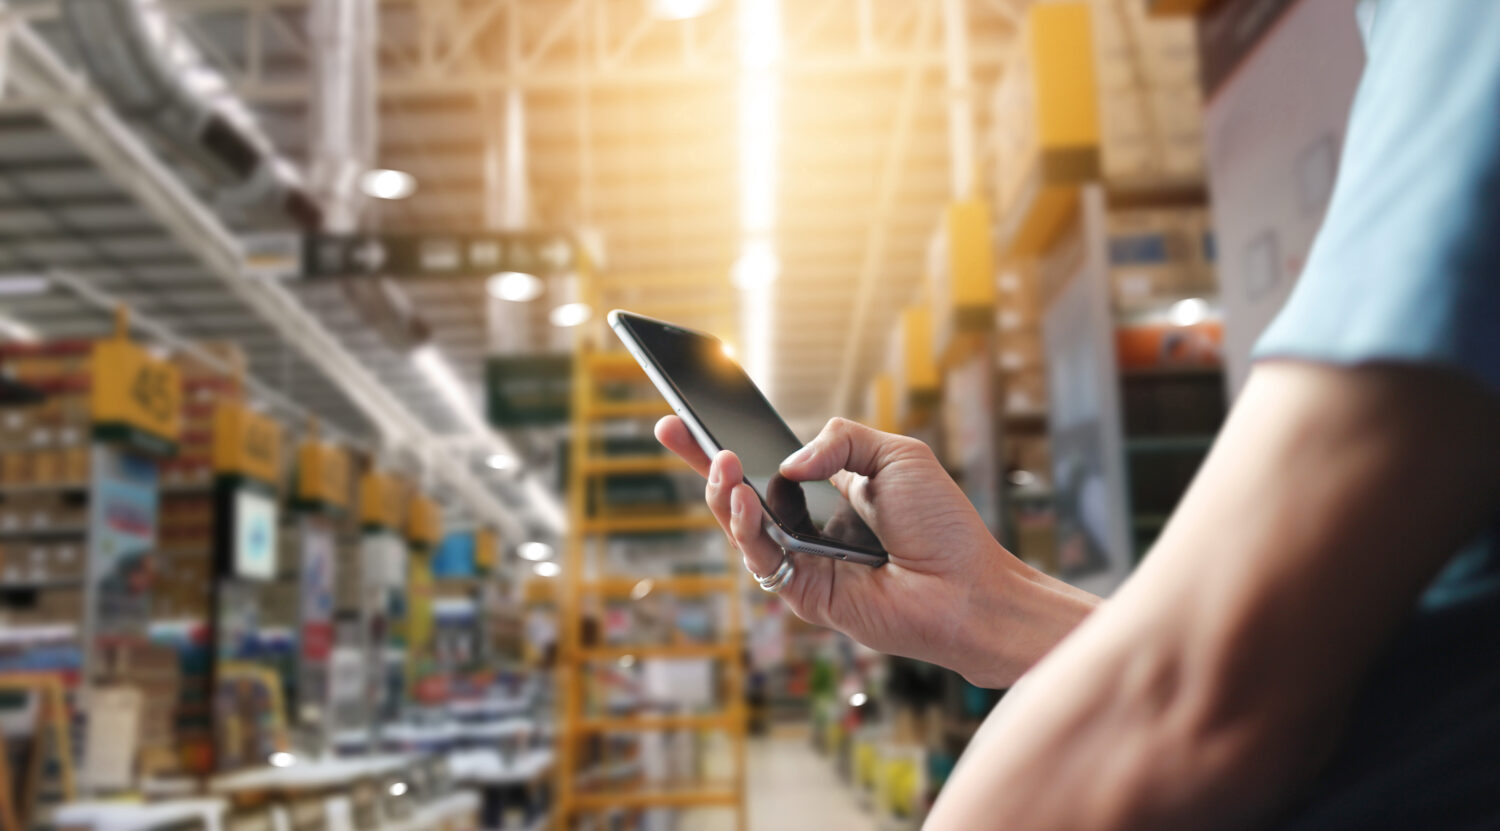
152 75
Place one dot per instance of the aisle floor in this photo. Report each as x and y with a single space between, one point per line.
791 788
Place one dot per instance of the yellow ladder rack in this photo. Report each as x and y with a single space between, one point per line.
586 472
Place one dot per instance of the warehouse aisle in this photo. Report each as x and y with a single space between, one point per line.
791 788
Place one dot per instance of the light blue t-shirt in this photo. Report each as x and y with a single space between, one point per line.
1406 270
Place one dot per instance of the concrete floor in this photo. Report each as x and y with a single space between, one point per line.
791 788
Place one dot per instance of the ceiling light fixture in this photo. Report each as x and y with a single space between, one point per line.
757 268
680 9
502 461
388 184
1189 312
21 285
515 286
570 314
12 329
547 569
534 551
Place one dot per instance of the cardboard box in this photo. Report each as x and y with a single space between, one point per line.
1025 391
1020 350
1160 254
1150 102
1030 453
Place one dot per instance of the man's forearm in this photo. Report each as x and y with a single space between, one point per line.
1210 686
1012 624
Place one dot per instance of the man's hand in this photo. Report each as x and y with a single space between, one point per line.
950 593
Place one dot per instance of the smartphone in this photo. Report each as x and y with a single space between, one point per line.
724 410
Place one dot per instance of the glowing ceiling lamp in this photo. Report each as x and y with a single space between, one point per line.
680 9
388 184
515 286
756 269
570 314
536 552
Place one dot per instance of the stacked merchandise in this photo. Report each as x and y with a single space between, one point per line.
156 671
1169 346
1158 256
44 487
183 596
1150 105
44 483
1027 449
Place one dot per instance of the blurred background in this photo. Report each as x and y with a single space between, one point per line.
328 503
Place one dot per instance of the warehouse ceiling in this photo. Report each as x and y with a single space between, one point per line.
630 133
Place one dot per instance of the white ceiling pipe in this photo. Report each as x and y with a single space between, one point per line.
98 133
344 112
960 97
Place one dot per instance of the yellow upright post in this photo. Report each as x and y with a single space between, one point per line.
590 522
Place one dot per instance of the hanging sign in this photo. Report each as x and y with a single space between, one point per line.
486 549
122 533
528 390
246 443
963 282
477 254
318 563
322 475
424 522
380 500
135 396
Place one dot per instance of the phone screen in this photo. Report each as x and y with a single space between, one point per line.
738 417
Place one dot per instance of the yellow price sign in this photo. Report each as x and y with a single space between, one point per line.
486 549
246 443
380 500
424 521
322 474
135 391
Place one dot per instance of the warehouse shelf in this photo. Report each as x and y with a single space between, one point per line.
608 410
33 585
627 465
658 798
44 487
665 650
1149 522
648 523
692 584
630 724
1169 444
69 530
612 366
578 791
12 635
1173 372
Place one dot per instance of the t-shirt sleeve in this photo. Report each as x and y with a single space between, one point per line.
1406 268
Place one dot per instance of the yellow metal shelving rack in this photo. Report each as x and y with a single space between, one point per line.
586 527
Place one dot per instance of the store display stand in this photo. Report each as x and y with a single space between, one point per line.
51 733
589 525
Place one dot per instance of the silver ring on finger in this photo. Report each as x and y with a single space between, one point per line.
777 580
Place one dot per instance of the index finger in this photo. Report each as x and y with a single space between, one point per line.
674 435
